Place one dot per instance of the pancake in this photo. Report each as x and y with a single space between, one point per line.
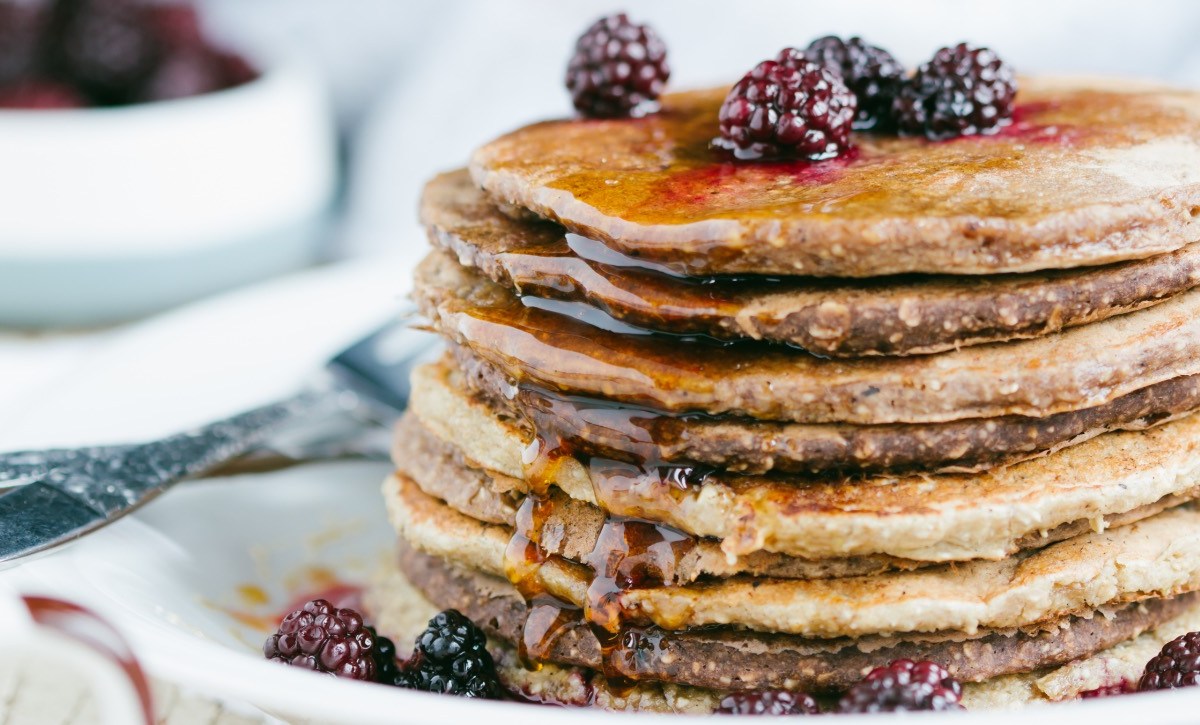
745 445
729 659
572 529
1152 558
891 316
1091 172
1083 367
917 517
400 611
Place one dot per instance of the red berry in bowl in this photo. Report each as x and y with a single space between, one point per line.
787 107
903 686
619 68
234 69
1176 665
176 24
105 47
961 91
21 30
184 73
319 637
768 702
40 95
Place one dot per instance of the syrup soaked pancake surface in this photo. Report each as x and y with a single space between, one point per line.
1082 367
1152 558
401 611
1090 172
746 445
572 528
918 517
890 316
729 659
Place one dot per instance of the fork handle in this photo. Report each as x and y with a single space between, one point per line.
115 478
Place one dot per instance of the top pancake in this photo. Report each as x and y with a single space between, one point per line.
1090 172
841 318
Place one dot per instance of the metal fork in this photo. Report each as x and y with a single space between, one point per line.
59 495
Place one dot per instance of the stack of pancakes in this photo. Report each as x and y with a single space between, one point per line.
707 426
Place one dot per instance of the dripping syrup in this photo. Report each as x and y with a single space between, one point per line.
546 616
628 553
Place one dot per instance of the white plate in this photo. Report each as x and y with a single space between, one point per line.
170 580
169 577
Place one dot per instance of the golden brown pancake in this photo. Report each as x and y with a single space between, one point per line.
918 517
1148 559
1082 367
745 445
401 611
1091 172
731 659
572 528
887 316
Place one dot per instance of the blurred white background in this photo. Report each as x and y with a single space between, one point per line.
419 84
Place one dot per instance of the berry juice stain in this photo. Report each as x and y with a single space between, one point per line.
88 628
256 609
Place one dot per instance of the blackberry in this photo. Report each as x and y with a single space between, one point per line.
451 657
789 106
871 72
903 685
387 669
106 47
961 91
619 69
768 702
319 637
1176 665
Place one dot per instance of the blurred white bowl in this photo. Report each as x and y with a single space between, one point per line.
113 213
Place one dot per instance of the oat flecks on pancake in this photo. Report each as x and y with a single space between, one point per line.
745 445
1080 368
1087 176
400 611
891 316
954 516
572 527
729 658
1155 557
712 426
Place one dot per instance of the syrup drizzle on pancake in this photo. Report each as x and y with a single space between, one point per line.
1008 202
628 553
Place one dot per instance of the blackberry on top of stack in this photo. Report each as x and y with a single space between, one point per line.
844 383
